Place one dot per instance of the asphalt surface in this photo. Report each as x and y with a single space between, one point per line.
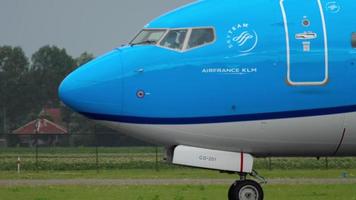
150 182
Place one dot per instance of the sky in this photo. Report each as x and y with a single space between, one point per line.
94 26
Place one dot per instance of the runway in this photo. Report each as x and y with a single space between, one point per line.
168 182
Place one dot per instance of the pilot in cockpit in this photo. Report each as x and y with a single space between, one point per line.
174 39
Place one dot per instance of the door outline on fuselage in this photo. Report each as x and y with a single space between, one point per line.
326 53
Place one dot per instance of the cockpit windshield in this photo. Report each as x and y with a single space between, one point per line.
176 39
148 37
200 37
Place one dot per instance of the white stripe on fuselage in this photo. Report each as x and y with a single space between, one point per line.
305 136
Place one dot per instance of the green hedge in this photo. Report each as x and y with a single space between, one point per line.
84 158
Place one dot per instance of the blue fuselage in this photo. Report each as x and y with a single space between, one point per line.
254 70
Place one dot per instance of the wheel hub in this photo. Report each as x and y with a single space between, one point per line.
248 193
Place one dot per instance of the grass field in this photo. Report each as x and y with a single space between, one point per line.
140 163
84 158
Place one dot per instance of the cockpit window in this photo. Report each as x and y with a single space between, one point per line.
353 42
200 37
148 37
174 39
182 39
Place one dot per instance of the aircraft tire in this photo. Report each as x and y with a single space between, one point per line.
246 190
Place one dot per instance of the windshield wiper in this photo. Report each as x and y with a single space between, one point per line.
144 42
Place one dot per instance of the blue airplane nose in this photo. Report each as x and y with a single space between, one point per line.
95 88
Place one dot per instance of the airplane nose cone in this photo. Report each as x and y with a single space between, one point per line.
95 88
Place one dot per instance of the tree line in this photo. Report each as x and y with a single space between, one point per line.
29 84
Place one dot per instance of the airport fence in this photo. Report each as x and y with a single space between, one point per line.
77 152
104 152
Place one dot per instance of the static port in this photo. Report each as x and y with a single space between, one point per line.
140 94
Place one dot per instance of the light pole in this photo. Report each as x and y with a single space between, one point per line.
37 126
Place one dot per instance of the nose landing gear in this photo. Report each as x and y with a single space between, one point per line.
246 189
224 161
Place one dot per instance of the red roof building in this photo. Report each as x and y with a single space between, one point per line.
41 126
48 131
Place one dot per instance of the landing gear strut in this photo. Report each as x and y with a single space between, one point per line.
244 189
224 161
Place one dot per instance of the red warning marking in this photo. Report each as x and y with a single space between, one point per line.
242 163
